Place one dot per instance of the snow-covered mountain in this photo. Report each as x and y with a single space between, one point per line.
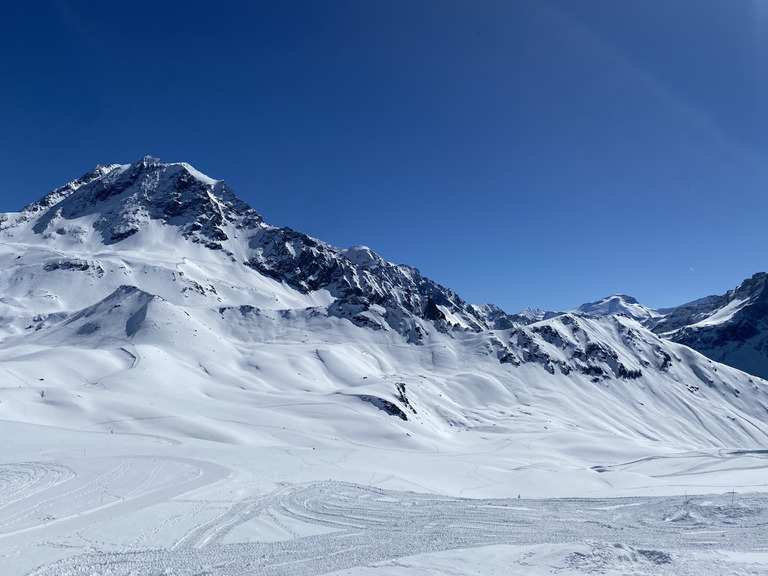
530 315
186 389
148 205
619 304
732 328
152 260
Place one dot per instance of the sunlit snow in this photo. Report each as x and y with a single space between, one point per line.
166 409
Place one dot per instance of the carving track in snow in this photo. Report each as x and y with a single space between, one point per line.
23 479
363 525
52 501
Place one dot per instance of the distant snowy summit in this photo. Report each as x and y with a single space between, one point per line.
537 314
619 304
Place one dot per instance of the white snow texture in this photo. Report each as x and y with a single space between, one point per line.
186 390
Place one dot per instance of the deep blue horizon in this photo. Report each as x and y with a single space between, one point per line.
529 154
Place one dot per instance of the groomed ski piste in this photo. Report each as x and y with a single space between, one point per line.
95 503
165 410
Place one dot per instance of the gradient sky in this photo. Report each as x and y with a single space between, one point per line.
522 152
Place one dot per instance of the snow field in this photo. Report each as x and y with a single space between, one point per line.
98 503
329 526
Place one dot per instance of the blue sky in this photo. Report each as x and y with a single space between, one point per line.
521 152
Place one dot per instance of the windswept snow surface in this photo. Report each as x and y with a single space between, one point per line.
176 411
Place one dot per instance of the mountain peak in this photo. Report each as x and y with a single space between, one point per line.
536 314
618 304
753 286
118 200
149 161
362 256
154 206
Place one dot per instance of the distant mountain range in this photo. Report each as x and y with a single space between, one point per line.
141 284
732 328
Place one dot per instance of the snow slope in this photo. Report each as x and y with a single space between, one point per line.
185 389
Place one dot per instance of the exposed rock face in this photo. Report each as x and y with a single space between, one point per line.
359 280
569 343
121 198
732 329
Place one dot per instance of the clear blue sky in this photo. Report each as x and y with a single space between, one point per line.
522 152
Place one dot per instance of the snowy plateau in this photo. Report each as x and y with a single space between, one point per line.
187 390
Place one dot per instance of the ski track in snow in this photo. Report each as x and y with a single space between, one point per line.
27 478
51 502
365 525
